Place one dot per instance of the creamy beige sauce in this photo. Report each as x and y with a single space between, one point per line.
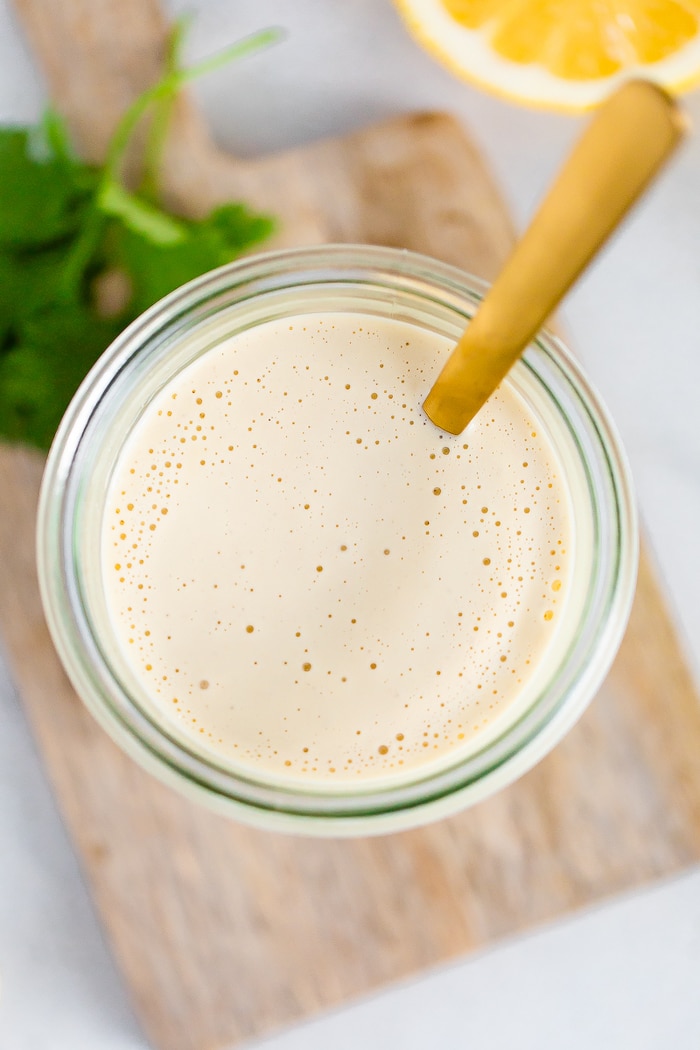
308 577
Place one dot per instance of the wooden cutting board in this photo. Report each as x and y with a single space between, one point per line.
223 932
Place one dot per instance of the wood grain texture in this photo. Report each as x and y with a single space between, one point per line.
223 932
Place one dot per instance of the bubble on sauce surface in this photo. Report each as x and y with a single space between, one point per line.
366 554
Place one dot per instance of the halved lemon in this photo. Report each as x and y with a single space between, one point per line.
561 54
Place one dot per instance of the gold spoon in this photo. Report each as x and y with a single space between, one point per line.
626 143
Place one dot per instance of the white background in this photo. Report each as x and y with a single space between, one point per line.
624 975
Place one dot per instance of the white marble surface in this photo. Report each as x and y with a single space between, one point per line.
623 975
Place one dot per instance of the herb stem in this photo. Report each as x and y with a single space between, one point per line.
171 84
158 131
82 252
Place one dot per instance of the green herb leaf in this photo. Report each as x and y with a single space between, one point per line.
29 283
156 269
63 224
10 296
41 200
238 228
40 374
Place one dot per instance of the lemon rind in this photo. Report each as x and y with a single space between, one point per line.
467 54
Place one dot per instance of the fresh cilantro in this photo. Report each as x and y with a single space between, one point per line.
140 216
157 266
66 227
43 195
42 371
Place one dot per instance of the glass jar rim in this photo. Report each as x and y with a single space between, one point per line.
353 811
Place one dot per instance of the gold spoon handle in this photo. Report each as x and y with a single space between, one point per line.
627 141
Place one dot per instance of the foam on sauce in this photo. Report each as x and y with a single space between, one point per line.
309 577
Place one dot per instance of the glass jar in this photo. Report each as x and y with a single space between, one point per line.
368 280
